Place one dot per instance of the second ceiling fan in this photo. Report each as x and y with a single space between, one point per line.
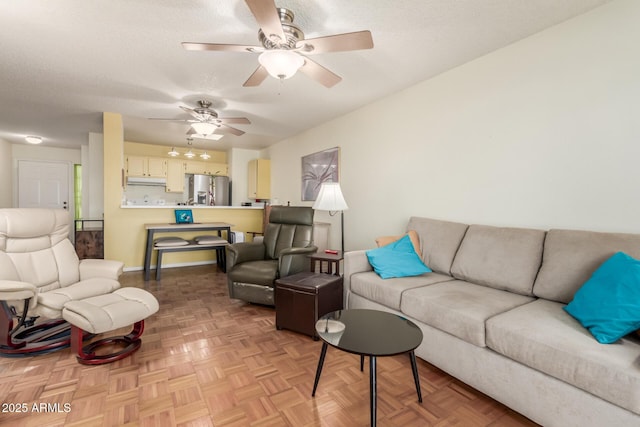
284 49
205 121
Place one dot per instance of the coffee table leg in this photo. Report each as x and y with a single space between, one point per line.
416 378
323 353
372 389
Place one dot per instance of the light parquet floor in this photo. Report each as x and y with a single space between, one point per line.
207 360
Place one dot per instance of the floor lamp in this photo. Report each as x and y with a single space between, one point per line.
330 199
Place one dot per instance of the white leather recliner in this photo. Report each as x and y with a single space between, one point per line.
39 273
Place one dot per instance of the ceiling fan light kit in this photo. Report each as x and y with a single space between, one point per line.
204 128
281 63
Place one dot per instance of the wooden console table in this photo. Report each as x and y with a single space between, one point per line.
171 228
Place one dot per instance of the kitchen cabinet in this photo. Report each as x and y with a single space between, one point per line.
259 179
154 167
205 168
175 175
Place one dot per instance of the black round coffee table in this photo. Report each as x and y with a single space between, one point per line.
370 333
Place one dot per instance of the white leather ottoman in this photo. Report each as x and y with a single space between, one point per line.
104 313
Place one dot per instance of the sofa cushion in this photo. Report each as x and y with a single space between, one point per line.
389 292
397 259
459 308
500 257
571 256
543 336
608 304
439 241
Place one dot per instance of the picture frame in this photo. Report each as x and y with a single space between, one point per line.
317 168
184 216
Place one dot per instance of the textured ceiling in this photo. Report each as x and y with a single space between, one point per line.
64 62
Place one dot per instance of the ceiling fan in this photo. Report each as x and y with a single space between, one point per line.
284 49
207 121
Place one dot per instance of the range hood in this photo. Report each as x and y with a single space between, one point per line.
139 180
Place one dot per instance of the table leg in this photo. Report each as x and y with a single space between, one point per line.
372 389
416 378
323 353
361 363
147 255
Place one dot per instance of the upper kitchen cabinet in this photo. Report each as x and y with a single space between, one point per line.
175 176
205 168
153 167
259 179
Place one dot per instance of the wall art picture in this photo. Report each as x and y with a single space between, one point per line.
318 168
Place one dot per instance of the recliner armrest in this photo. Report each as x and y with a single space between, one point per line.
242 252
295 260
91 268
13 290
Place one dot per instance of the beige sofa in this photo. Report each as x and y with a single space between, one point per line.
492 315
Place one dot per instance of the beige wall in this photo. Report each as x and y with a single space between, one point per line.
543 133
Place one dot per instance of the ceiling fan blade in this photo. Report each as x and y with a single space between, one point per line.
257 77
268 18
337 43
221 47
319 73
234 120
169 120
232 130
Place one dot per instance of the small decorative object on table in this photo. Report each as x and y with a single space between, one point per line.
184 216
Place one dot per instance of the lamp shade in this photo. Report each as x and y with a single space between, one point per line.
281 63
203 128
173 152
330 198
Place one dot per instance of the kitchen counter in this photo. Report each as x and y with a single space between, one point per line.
187 207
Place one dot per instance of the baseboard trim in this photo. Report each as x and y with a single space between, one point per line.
175 265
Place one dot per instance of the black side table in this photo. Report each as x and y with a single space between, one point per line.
370 333
301 299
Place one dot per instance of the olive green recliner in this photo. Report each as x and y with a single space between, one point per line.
253 267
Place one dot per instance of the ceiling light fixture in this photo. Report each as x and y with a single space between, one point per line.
189 154
281 63
173 152
33 139
204 128
205 156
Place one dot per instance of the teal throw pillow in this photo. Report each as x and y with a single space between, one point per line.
397 259
608 304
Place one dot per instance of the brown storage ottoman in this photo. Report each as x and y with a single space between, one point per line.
301 299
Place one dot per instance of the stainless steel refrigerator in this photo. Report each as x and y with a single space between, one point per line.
207 190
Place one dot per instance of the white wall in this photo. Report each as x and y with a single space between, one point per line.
543 133
6 177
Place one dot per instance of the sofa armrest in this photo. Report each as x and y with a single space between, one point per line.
104 268
13 290
354 262
242 252
295 260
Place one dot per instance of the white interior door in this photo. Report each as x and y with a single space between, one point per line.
43 184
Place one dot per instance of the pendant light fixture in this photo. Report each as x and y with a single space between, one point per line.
205 156
189 154
173 152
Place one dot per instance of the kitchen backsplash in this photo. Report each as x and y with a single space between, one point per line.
149 195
